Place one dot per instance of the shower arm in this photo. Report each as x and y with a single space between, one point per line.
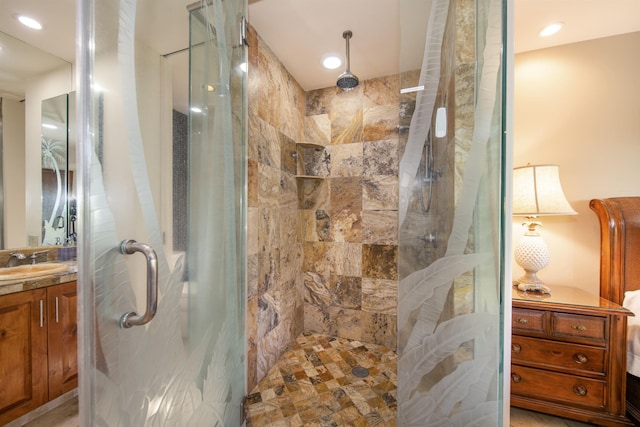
347 35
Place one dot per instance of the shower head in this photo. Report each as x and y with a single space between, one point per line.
347 81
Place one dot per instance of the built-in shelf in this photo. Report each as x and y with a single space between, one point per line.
310 177
306 155
310 145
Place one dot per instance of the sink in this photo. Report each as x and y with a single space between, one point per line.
31 270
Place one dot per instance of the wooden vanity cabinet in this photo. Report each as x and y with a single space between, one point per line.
38 348
62 338
23 353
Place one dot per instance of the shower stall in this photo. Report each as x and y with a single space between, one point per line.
263 211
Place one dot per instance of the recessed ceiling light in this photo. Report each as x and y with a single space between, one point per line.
551 29
29 22
331 62
196 110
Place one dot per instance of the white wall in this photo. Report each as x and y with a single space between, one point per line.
578 106
13 167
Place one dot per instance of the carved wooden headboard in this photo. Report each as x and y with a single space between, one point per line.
619 245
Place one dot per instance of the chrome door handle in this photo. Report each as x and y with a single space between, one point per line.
131 318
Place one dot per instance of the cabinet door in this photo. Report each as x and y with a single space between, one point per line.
23 353
63 338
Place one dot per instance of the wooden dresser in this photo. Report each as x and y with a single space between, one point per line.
568 356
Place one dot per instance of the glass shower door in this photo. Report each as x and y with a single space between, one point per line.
161 202
451 295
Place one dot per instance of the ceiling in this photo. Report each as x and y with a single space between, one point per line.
583 20
300 32
308 30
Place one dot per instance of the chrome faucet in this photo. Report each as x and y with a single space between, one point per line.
14 257
34 256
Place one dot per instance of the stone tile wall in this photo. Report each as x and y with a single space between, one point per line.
274 247
465 100
350 215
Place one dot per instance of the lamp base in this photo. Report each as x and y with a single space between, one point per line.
532 254
530 283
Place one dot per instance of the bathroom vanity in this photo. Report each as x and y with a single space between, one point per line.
38 341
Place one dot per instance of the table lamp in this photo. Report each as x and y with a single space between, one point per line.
536 192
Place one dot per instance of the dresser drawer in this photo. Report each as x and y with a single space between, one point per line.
579 326
558 355
557 387
528 320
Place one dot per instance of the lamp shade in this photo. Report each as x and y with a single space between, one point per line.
537 192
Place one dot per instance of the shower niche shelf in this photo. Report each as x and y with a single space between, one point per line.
310 145
312 161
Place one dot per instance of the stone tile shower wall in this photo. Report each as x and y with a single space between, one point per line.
274 247
465 87
350 214
322 252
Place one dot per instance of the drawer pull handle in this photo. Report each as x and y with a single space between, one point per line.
580 358
515 348
579 327
521 320
580 390
516 378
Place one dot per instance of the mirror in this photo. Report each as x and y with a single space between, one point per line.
58 166
29 79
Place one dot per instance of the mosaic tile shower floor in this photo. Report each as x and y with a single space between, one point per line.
313 385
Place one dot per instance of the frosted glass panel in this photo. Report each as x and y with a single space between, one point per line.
451 245
186 366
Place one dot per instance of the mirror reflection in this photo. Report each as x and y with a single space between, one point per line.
34 92
57 154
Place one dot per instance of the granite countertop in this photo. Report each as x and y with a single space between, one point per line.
19 285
